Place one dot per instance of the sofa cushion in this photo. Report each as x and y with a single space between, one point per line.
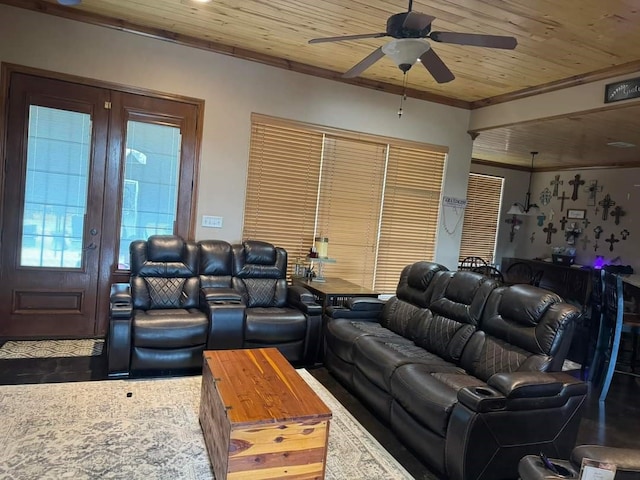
424 395
169 328
274 325
377 358
341 335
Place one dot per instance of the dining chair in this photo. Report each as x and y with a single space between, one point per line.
613 324
519 272
489 271
469 263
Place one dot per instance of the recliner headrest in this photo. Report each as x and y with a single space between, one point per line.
526 304
165 248
259 253
416 280
215 257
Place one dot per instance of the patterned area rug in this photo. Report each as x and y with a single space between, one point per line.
51 348
91 430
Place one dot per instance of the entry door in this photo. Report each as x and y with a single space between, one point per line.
88 171
52 207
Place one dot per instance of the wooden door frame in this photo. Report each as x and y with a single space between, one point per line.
106 273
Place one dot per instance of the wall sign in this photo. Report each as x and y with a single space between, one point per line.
453 202
614 92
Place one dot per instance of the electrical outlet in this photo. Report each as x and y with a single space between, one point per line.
210 221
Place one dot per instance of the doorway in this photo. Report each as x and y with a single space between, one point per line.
88 169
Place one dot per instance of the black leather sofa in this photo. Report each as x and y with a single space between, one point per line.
184 297
465 371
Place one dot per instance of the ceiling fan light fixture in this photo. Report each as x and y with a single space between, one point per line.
405 51
70 3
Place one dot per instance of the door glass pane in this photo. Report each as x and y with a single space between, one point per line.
150 188
58 155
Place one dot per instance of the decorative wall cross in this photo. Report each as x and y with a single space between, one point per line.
606 203
596 246
585 222
545 196
611 240
541 219
576 182
554 184
563 222
593 189
571 233
617 213
562 199
584 242
549 230
532 237
624 233
598 230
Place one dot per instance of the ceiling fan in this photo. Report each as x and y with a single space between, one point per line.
410 30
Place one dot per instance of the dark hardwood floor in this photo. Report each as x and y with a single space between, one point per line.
614 423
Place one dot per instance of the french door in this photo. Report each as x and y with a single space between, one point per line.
87 171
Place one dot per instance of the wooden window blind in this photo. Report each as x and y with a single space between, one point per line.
375 198
282 187
409 212
349 206
480 226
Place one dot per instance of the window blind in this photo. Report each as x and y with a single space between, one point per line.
480 225
409 213
375 198
282 188
349 206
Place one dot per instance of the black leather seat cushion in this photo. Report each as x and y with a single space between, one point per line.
342 333
377 358
169 328
421 391
274 325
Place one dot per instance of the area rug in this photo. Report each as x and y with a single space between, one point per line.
51 348
145 429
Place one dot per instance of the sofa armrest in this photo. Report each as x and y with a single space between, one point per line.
302 299
361 308
514 415
119 337
226 312
215 294
120 301
625 459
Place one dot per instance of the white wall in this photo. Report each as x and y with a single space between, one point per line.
232 90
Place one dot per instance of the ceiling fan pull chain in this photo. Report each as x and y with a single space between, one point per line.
403 97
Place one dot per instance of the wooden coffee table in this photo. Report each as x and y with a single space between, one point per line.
259 418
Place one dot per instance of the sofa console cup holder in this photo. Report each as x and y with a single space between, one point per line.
484 392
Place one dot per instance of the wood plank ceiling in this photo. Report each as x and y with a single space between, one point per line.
559 43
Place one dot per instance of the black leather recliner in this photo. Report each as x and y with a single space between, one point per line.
465 373
275 314
185 297
156 321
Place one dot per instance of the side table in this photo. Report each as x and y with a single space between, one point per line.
334 291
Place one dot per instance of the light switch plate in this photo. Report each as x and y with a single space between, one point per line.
211 221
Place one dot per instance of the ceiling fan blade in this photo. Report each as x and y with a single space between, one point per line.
436 66
348 37
417 21
475 39
365 63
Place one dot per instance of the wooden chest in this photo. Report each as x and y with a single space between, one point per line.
260 419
